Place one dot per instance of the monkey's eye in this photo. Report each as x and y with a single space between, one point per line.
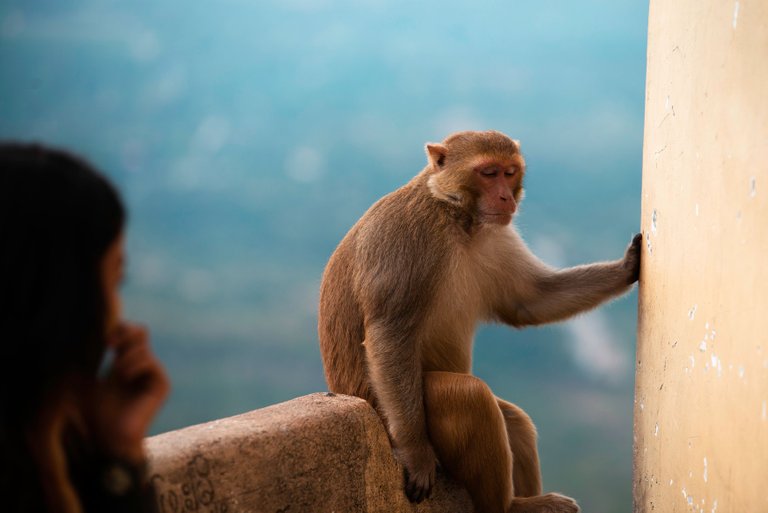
510 173
489 172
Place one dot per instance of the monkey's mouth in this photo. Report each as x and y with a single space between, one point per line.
496 217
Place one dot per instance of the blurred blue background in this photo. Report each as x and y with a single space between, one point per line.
248 137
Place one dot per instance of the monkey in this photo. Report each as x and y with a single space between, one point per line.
402 295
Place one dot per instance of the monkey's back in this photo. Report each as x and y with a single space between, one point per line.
340 324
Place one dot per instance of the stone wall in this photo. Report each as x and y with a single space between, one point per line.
318 453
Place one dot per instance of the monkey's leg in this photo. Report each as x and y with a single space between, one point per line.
526 471
469 435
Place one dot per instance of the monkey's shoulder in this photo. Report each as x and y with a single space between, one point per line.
410 212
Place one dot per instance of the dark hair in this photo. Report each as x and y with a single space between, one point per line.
58 216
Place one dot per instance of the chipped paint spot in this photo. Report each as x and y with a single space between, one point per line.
713 359
692 312
735 14
714 506
666 103
741 371
648 242
706 325
656 430
690 499
705 469
697 210
654 219
752 187
703 345
693 361
671 482
642 406
685 494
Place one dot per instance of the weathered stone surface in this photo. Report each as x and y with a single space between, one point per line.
318 453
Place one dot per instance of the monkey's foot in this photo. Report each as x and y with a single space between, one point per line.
549 503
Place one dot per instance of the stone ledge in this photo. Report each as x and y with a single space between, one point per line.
318 453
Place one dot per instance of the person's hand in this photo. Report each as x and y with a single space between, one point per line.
127 398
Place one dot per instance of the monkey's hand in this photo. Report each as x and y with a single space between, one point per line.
419 463
631 260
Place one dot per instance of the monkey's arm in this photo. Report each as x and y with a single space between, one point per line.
394 365
395 284
558 294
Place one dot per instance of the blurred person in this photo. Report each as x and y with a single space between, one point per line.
79 387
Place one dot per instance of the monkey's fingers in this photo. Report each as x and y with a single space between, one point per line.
418 487
632 258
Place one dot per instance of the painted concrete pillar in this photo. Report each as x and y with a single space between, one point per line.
701 425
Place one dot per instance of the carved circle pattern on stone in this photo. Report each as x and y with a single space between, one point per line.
195 493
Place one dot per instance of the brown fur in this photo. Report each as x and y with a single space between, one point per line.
399 303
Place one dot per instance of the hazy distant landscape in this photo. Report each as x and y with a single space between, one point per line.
247 137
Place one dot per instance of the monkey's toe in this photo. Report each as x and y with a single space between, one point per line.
562 504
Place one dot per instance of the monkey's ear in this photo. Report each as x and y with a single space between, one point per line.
436 155
517 143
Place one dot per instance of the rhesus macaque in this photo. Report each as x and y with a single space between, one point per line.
401 298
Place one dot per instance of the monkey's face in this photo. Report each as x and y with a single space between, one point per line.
498 188
482 172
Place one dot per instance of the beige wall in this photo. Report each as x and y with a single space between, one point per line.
701 426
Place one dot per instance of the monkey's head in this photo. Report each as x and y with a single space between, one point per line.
480 172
